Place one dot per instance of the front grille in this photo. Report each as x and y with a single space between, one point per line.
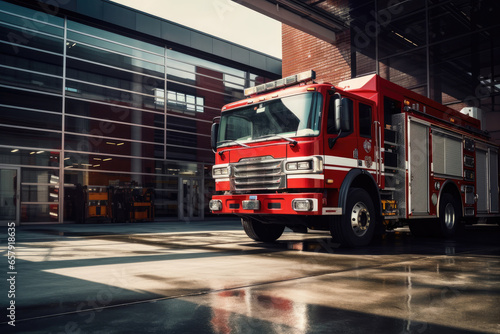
263 173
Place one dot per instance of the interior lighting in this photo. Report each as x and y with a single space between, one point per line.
15 150
39 152
107 159
406 39
110 143
120 144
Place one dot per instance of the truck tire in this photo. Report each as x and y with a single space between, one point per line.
357 224
262 232
449 216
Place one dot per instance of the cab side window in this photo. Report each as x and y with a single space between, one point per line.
365 120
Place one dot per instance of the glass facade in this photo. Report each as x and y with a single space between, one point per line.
86 108
446 50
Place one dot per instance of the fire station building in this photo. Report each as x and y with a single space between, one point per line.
105 111
111 107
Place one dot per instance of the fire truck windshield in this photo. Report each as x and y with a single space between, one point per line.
291 116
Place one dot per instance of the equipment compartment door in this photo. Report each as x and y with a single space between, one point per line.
418 146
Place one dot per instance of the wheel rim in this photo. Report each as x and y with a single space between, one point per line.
449 216
360 219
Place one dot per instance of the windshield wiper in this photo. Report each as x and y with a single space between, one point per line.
233 142
292 141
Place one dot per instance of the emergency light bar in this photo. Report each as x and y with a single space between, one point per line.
291 80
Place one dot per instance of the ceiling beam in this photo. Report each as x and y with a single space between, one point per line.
304 23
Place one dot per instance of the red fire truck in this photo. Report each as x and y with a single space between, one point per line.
356 160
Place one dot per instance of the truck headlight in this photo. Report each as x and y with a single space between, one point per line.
304 204
312 165
301 165
220 171
215 205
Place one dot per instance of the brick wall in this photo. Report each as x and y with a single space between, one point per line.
302 52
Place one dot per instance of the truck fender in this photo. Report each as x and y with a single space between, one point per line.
450 187
360 178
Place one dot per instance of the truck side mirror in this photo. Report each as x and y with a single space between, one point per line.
214 135
343 114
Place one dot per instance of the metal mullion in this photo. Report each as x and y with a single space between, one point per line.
113 67
63 128
190 133
110 87
165 101
112 105
32 48
113 121
30 109
113 155
30 90
110 138
190 147
37 32
31 71
199 88
31 19
113 51
29 128
187 63
114 42
190 118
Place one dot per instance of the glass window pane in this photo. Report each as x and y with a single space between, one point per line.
39 213
31 60
32 138
113 59
110 146
20 38
91 162
92 92
25 99
75 38
107 76
34 14
37 22
102 129
365 120
30 118
407 70
198 62
104 113
39 193
16 155
29 80
115 37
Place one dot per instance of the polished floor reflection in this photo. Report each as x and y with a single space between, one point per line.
209 278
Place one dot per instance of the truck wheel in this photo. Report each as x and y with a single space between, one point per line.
262 232
356 226
449 216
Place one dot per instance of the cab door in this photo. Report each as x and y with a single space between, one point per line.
369 136
340 141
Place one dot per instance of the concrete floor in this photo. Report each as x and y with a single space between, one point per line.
208 277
